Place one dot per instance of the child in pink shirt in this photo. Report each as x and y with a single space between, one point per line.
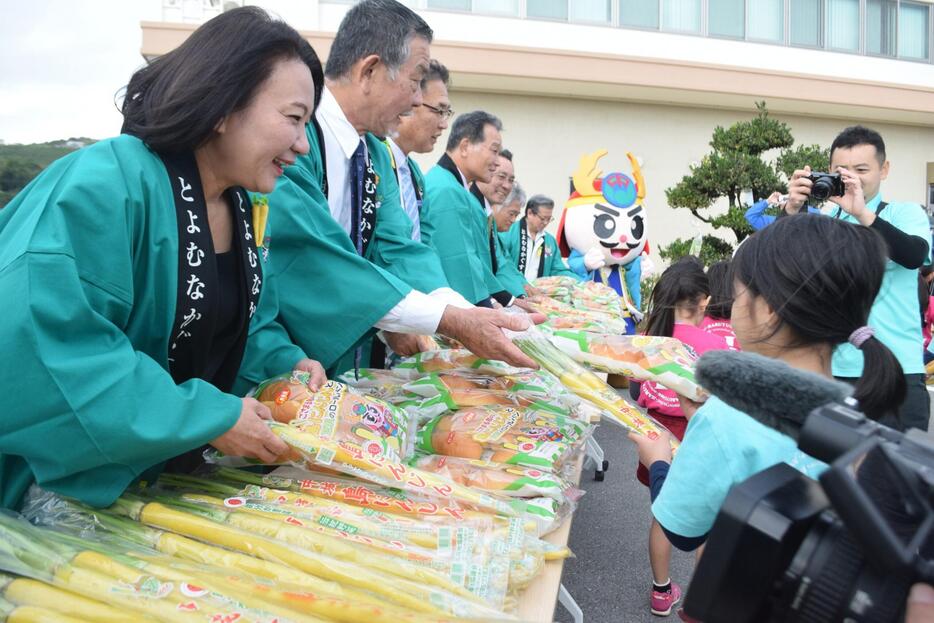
717 318
678 305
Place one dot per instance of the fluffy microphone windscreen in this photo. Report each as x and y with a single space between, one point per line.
768 390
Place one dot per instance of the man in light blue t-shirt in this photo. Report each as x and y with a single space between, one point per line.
858 154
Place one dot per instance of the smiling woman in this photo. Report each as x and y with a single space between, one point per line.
141 250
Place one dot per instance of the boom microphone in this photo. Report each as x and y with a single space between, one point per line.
768 390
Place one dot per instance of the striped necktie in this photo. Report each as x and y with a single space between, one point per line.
409 198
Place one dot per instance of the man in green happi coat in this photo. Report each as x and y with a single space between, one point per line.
343 196
532 250
456 223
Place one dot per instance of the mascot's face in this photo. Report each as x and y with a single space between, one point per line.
608 215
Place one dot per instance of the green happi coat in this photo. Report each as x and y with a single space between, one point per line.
327 297
454 224
88 274
506 272
553 264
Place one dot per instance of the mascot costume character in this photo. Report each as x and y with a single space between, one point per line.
602 230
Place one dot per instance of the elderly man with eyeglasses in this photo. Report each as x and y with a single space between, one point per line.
533 250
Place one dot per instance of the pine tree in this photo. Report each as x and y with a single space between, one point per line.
735 165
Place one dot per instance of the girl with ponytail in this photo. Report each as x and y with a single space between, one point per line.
802 287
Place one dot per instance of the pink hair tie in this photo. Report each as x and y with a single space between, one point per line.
858 338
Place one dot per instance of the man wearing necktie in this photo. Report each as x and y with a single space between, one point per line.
344 194
418 134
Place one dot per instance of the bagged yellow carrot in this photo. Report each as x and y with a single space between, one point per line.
409 594
40 554
26 592
375 498
377 467
243 574
641 357
586 384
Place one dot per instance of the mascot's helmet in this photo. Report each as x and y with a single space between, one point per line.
605 213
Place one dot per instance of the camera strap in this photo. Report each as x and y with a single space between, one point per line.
879 209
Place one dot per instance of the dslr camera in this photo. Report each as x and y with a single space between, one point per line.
826 185
785 548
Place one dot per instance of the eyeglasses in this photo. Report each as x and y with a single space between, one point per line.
444 113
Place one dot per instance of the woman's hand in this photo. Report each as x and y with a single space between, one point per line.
250 437
316 370
651 450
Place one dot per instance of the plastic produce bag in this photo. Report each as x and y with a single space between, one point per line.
449 360
586 384
455 391
641 357
338 412
381 384
508 480
503 435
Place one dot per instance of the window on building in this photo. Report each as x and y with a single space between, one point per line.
913 32
681 15
496 7
726 18
841 31
638 13
880 26
549 9
806 22
767 20
591 11
457 5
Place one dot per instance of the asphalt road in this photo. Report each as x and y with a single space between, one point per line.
610 577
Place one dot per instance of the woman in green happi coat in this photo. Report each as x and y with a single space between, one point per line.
130 271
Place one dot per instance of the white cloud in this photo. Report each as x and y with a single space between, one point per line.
62 63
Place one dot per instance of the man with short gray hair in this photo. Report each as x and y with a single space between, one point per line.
506 213
456 223
533 249
343 194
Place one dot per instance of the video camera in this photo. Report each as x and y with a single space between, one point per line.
785 548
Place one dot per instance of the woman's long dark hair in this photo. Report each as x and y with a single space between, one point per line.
684 282
821 277
174 103
721 290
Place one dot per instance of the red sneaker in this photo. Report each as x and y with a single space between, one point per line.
684 616
662 603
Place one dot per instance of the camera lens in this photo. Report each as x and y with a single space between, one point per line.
829 579
822 189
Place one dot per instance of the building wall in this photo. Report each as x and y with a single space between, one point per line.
547 136
565 89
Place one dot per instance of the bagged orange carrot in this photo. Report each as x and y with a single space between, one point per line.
337 412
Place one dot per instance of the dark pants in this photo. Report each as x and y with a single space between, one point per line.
915 412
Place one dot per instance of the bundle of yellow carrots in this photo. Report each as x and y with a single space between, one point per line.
586 384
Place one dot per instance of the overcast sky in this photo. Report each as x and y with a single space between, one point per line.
61 63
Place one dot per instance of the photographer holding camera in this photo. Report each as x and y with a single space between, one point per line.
858 162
